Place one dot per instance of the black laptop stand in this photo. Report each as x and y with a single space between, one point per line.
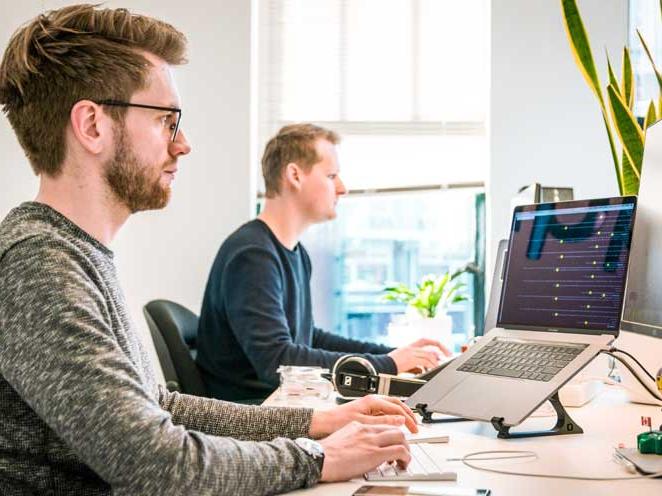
564 424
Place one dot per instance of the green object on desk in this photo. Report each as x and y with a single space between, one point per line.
650 442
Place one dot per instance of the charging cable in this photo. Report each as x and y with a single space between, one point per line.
469 458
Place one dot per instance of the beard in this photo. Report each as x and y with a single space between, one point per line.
135 183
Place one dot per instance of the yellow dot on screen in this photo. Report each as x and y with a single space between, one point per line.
604 295
608 265
592 276
557 285
565 228
586 322
556 314
590 292
611 234
556 298
599 233
597 246
561 241
594 262
588 306
557 269
561 256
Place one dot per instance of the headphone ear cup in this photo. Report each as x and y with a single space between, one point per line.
355 365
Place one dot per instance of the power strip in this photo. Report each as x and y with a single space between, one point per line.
579 393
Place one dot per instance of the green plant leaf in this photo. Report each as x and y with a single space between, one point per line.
650 58
628 78
612 149
628 130
580 46
581 51
612 77
651 117
630 179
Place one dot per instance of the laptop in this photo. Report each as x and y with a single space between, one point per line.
560 305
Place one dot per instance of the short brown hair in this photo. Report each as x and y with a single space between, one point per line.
75 53
293 143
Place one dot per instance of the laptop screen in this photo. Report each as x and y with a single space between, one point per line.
566 266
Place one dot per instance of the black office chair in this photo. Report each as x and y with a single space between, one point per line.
174 330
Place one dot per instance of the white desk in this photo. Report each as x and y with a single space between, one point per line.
608 420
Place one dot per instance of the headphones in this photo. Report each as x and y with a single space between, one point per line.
354 376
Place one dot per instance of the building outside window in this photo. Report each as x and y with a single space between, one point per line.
645 16
405 83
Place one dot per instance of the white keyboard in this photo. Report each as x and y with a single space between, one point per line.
422 467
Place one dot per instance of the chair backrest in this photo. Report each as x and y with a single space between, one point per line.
174 330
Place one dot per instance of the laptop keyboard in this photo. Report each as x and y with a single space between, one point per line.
535 361
421 467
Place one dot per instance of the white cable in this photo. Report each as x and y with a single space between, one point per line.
530 454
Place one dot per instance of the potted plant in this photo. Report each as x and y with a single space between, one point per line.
427 303
620 98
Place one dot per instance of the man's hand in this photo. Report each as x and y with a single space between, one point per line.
370 410
358 448
419 355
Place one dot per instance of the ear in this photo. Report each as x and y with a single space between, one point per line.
293 176
91 127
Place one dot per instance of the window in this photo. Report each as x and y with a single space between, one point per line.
405 83
645 17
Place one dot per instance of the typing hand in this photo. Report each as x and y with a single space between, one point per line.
419 355
370 410
358 448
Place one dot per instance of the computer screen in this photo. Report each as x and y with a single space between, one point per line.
566 265
642 312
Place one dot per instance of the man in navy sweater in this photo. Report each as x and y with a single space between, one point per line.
257 312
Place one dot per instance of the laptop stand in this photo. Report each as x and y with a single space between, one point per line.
421 408
564 424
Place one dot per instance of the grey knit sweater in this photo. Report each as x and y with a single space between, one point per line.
80 410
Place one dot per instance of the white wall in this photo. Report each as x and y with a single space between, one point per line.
545 123
545 127
167 254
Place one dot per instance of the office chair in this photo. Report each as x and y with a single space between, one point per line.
174 330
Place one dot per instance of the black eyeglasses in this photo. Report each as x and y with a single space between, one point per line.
174 126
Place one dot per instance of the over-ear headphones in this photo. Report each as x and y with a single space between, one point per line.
354 376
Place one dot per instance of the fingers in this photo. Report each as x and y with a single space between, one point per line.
387 405
399 453
431 342
426 359
391 437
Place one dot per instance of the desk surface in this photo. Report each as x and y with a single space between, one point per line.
607 420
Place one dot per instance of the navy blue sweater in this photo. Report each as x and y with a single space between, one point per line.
257 315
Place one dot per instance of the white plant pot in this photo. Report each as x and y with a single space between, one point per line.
407 330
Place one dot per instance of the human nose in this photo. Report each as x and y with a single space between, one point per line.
340 187
181 145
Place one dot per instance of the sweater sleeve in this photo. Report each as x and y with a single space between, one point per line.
252 292
60 354
246 422
378 352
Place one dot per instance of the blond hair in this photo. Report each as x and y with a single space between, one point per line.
75 53
294 143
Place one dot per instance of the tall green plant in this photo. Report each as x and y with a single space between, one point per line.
617 107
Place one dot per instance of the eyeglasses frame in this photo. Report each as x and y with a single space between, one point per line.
118 103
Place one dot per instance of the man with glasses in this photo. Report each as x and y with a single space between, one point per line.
90 96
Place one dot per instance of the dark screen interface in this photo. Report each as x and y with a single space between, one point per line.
567 267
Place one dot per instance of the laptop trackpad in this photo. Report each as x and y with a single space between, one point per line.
475 397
